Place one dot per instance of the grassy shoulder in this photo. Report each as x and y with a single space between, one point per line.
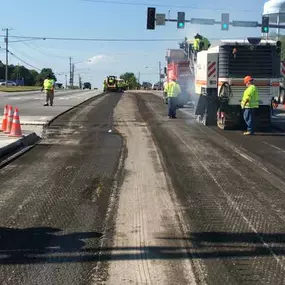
19 88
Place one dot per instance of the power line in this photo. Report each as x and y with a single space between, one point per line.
110 40
40 51
93 39
24 61
163 5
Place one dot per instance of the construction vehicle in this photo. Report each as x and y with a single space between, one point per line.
178 67
218 78
111 83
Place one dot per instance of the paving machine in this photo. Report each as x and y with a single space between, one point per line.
219 74
111 83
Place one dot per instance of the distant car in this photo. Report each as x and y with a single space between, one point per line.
86 85
9 83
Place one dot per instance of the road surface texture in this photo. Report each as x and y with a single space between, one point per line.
232 191
116 193
54 199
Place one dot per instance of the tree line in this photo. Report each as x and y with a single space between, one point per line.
30 77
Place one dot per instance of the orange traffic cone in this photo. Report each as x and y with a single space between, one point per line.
16 130
10 120
4 119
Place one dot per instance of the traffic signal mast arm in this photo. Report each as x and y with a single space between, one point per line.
154 19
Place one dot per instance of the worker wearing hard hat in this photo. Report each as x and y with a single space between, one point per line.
172 90
249 102
200 43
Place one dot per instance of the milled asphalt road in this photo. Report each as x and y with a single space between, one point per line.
196 204
54 199
232 192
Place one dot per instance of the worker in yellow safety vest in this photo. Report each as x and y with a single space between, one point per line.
48 86
172 90
200 43
249 103
105 85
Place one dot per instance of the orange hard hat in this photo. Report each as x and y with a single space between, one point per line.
247 79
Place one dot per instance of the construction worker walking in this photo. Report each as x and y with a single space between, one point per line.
249 103
172 90
48 86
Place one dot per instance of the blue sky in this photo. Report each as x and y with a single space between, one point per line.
82 19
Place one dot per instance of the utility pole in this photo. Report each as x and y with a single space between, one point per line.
65 81
79 79
7 54
70 73
159 67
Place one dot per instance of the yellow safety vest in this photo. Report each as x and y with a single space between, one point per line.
196 44
172 89
251 94
48 84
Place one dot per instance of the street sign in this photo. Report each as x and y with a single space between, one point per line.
160 19
201 21
250 24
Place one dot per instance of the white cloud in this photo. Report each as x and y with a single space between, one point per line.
99 58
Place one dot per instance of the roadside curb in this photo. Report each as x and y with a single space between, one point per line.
12 151
26 141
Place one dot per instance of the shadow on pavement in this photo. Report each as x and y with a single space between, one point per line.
49 245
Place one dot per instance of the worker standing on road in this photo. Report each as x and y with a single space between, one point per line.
172 90
48 86
249 102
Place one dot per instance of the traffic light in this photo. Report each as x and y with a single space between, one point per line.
181 20
225 22
265 25
150 18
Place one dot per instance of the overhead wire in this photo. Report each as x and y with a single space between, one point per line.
40 51
30 65
133 3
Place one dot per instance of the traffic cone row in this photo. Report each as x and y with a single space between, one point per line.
11 122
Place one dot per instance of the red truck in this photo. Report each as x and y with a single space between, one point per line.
178 66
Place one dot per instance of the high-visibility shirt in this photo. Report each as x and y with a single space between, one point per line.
49 84
251 94
196 44
172 89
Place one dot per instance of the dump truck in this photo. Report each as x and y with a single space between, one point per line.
219 74
178 67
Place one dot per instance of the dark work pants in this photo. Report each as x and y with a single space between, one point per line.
172 106
248 115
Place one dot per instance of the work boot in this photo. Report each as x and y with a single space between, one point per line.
247 134
46 104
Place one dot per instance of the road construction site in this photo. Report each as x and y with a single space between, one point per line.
114 192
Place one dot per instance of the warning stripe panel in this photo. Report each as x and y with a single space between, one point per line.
211 69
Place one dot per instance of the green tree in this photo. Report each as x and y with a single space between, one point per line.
43 74
130 79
